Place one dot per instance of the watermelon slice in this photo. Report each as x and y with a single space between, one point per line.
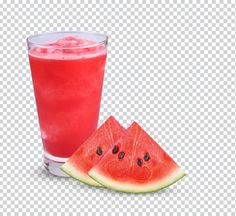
136 164
92 150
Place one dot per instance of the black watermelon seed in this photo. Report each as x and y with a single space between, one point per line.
121 155
99 151
115 149
139 162
146 157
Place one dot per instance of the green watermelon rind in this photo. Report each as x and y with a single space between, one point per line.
76 174
132 188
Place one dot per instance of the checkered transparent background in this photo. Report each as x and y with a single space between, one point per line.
171 67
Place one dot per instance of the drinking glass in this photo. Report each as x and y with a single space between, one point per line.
67 71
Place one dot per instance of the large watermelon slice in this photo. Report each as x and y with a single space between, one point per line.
92 150
137 164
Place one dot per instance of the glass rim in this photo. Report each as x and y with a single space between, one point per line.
30 43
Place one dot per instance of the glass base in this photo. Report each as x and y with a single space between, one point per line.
52 164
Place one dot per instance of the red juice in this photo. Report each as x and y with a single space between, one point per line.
67 77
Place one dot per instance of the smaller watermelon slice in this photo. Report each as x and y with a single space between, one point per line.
92 150
136 164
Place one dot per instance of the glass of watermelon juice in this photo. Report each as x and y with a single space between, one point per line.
67 71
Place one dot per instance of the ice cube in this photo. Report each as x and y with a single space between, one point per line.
43 134
69 41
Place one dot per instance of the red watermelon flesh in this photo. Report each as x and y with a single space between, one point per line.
92 150
140 164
